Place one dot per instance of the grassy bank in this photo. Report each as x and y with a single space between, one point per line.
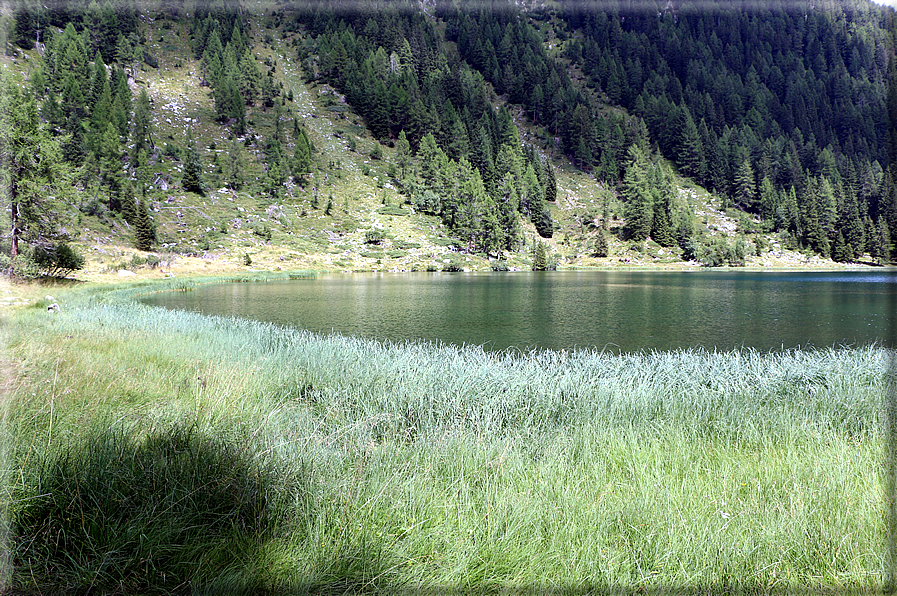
149 451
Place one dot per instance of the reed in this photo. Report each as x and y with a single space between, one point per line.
152 451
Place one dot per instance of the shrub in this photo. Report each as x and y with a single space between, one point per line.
57 261
392 210
374 236
150 60
427 202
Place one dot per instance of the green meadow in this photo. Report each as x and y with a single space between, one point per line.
147 451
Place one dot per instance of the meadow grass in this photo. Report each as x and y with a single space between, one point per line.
152 451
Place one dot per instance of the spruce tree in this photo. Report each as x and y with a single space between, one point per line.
403 154
236 162
144 228
662 230
745 189
31 166
852 226
551 184
841 250
600 248
302 156
639 202
143 125
128 204
540 256
192 180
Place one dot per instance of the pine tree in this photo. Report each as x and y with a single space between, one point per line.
661 230
143 125
639 202
769 201
551 184
302 156
109 161
540 256
128 204
851 225
745 188
145 229
881 250
691 150
600 248
842 252
192 180
403 154
33 171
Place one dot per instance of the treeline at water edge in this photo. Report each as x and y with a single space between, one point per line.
151 451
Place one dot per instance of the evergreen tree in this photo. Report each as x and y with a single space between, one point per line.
236 163
508 206
745 188
881 250
32 171
109 163
600 247
145 229
403 154
128 204
192 180
769 201
143 126
661 230
639 202
842 252
540 256
302 156
551 185
851 226
691 150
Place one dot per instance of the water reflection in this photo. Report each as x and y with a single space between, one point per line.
624 311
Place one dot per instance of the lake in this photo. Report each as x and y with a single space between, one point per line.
620 311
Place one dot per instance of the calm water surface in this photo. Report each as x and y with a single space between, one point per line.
620 311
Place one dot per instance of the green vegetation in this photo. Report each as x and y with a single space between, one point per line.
149 451
499 126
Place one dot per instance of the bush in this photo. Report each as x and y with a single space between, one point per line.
453 267
500 265
374 236
392 210
150 60
57 261
427 202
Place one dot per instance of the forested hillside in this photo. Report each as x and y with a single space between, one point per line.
469 116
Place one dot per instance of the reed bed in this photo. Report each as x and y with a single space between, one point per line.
152 451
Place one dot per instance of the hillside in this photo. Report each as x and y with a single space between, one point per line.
360 203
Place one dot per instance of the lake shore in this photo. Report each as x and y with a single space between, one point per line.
348 464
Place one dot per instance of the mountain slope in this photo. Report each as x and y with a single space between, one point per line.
355 211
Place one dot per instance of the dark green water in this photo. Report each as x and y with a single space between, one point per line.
620 311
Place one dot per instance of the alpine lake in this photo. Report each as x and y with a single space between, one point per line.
618 311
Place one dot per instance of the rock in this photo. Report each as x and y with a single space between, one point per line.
126 273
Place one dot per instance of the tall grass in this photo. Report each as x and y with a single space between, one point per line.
253 457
